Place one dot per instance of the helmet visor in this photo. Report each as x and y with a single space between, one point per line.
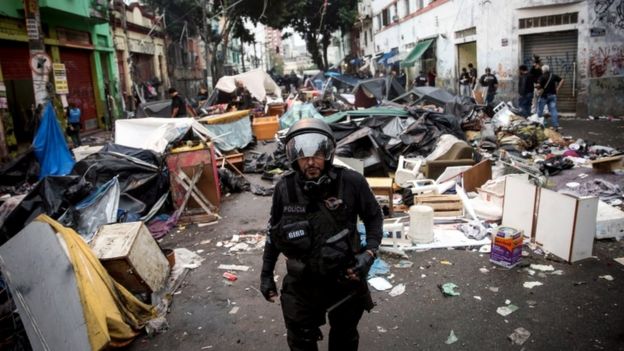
309 145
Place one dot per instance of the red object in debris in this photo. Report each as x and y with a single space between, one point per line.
229 276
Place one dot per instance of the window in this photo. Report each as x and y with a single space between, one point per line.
465 33
546 21
419 4
407 7
385 17
365 38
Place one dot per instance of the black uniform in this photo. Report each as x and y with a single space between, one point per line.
304 223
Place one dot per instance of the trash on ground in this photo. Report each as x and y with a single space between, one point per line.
531 285
234 310
619 260
606 277
379 267
451 338
493 289
477 297
397 290
448 289
234 267
519 336
380 283
381 329
506 310
230 276
542 267
409 264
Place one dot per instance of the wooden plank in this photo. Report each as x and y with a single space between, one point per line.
448 213
607 164
477 175
435 198
443 206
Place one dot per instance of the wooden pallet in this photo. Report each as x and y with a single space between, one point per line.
443 205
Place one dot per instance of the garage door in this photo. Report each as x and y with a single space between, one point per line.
557 50
14 60
78 66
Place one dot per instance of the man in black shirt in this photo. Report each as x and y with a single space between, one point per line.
313 223
525 90
420 80
548 85
178 106
464 83
472 72
489 81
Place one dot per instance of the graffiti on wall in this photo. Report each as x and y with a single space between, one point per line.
611 101
606 61
610 13
563 64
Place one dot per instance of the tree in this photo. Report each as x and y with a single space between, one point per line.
316 20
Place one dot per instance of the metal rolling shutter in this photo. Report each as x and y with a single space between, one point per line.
14 58
557 50
78 66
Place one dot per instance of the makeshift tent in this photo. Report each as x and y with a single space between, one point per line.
369 112
258 82
383 88
156 133
232 130
50 147
452 104
386 55
161 108
55 276
416 53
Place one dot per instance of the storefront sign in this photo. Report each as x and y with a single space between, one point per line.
32 29
141 47
40 63
60 78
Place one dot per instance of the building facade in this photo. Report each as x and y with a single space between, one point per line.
75 34
580 40
140 53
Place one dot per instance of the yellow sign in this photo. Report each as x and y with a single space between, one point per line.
60 78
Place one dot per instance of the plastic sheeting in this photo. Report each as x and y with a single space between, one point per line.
144 181
99 208
297 112
258 82
50 147
156 133
112 313
232 134
53 195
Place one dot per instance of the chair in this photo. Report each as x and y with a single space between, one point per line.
407 169
460 154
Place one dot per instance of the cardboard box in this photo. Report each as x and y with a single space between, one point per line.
131 256
506 247
264 128
609 222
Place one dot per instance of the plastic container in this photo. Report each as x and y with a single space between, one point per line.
421 224
264 128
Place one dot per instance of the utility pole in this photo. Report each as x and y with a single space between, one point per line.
40 63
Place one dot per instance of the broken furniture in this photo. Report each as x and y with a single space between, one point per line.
407 169
383 186
607 164
443 205
566 225
131 256
460 154
519 204
205 194
265 128
477 175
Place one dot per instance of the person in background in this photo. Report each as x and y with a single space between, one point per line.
73 123
421 79
314 224
489 81
535 73
472 72
525 90
242 96
178 105
464 83
431 77
202 95
549 85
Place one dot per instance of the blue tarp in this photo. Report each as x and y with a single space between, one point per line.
384 59
50 146
297 112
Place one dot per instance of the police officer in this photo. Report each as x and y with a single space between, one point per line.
313 223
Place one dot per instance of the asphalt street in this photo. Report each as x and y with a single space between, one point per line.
578 307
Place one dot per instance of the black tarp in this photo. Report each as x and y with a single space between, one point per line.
379 140
160 108
452 104
53 195
23 168
383 88
144 181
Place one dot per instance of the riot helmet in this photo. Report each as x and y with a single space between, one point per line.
309 137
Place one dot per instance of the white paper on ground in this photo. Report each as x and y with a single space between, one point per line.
379 283
234 267
397 290
531 285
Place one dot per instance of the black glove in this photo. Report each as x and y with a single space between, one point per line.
268 287
363 263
